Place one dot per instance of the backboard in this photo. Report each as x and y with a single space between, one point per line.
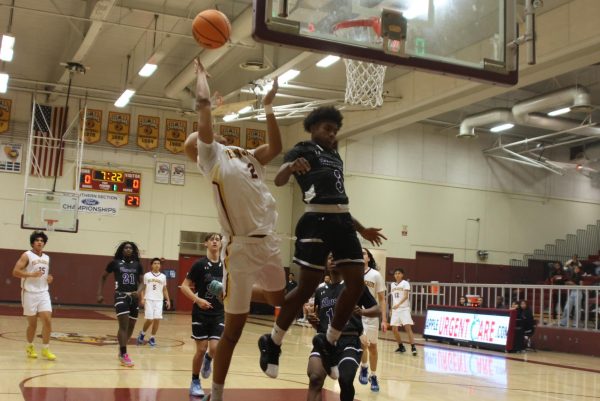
466 38
51 211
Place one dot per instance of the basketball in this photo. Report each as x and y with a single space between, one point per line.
211 29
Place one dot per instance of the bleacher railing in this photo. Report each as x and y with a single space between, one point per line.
568 306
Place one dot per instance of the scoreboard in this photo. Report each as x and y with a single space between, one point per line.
120 182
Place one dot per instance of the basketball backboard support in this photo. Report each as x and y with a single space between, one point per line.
472 39
51 211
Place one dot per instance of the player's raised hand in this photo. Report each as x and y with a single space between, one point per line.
202 87
373 235
269 97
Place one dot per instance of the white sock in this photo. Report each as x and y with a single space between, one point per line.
333 335
216 393
373 373
364 365
45 346
142 333
277 334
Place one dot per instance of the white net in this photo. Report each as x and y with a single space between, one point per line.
364 81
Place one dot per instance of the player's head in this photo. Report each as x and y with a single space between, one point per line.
155 264
128 250
323 123
327 278
369 259
212 241
398 274
291 276
38 235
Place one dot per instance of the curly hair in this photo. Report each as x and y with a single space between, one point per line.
372 264
134 256
323 113
37 234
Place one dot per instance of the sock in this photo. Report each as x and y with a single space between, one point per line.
152 337
364 365
207 357
277 334
333 335
216 393
373 373
45 346
195 377
123 350
142 333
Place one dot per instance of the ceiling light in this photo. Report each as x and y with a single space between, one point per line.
288 76
558 112
502 127
230 117
6 49
3 82
327 61
147 70
246 109
124 98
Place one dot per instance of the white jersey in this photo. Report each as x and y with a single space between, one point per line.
397 292
374 282
154 286
36 284
244 202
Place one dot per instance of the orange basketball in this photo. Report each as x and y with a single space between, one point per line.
211 29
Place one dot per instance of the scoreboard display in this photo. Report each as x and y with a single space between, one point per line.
120 182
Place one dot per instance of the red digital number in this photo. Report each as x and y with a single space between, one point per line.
132 200
136 183
87 178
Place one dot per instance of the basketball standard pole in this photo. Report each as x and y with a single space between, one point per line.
72 67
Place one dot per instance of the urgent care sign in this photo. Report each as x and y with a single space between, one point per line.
478 326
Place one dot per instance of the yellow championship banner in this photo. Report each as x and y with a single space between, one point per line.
255 138
231 134
118 128
93 125
175 134
147 132
5 105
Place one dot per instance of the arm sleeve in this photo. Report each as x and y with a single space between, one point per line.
366 299
207 155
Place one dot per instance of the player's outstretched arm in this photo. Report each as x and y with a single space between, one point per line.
267 152
371 234
205 131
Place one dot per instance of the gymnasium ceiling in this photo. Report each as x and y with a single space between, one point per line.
103 34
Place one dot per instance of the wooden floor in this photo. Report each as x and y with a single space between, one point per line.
87 367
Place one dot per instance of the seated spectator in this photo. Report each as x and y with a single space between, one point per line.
527 322
462 301
571 264
514 305
500 302
556 276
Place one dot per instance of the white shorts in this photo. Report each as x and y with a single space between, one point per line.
249 261
153 309
401 317
371 329
35 302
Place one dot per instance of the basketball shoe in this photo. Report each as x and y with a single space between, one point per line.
363 376
30 350
140 339
206 366
374 383
196 388
269 355
328 355
152 342
47 354
126 361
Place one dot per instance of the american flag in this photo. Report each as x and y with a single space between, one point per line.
48 150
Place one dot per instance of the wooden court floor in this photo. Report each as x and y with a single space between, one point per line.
87 367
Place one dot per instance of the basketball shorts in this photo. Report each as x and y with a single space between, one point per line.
153 309
317 234
370 330
207 327
126 304
347 348
249 261
401 317
35 302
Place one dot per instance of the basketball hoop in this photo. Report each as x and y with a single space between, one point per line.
364 81
50 224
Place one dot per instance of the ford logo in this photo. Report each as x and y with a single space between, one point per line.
90 202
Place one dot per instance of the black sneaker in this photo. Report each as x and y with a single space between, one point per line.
413 349
269 355
401 348
328 355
